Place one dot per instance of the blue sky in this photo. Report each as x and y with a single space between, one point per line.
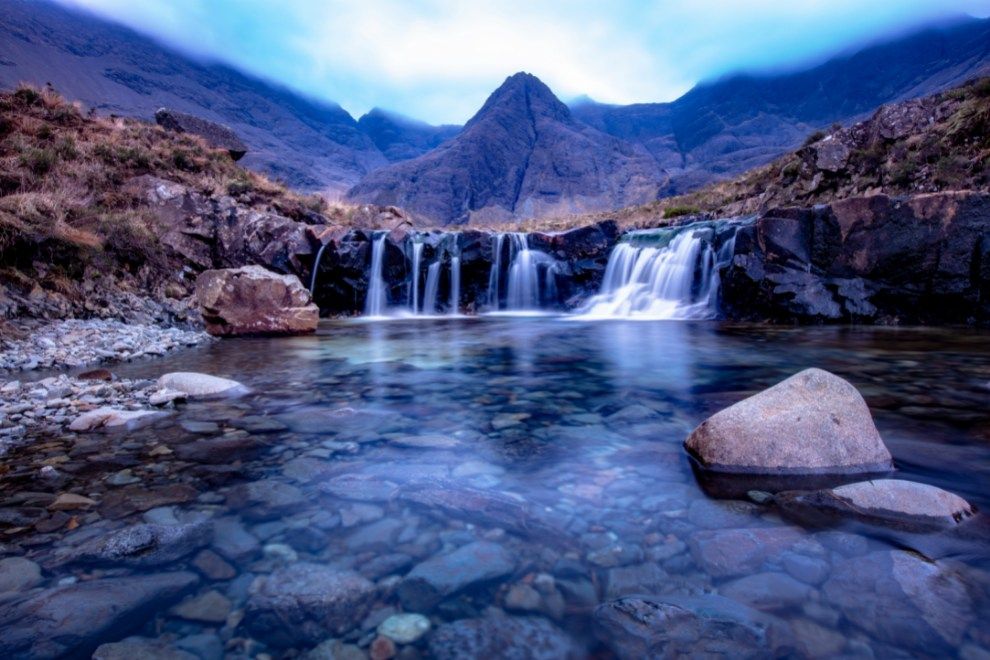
437 60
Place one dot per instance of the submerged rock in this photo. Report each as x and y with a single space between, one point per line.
142 648
438 577
144 545
306 603
75 619
404 628
514 637
113 418
254 301
892 502
196 385
18 574
813 422
688 626
902 599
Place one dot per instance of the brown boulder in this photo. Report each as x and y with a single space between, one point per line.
254 301
811 423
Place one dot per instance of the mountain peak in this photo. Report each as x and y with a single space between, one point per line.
523 92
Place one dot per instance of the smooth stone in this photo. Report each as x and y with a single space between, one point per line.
730 552
637 579
233 541
195 426
306 603
812 422
500 636
213 566
902 599
688 626
113 418
444 575
767 591
359 487
144 545
141 648
76 618
18 574
266 499
70 502
209 607
404 628
196 385
426 441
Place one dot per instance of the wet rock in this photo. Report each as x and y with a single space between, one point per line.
142 648
213 566
252 300
377 536
728 552
812 422
113 418
305 603
334 649
496 636
444 575
767 591
144 545
404 628
359 487
18 574
199 386
221 450
523 598
638 579
233 541
76 618
382 648
892 502
902 600
131 499
266 499
688 626
70 502
431 441
389 564
209 607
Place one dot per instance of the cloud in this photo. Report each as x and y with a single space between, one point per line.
439 59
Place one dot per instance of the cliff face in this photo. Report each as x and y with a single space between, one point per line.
521 155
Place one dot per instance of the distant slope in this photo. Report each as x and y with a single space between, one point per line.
401 138
732 125
309 144
521 155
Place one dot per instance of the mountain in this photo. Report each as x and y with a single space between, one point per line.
522 155
401 138
309 144
731 125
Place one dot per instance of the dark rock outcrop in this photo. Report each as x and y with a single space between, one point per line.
216 135
251 300
522 155
73 620
924 258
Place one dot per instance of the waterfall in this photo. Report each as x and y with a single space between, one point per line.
663 274
316 268
417 257
432 284
526 290
377 300
455 285
496 272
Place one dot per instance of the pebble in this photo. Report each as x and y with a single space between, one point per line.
404 628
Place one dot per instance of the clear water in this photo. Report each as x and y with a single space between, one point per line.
582 421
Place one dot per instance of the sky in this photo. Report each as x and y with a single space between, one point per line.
437 60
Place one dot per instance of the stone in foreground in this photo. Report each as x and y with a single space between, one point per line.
689 626
811 423
305 604
884 501
194 385
254 301
436 578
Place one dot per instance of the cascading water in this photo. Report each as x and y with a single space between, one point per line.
455 284
417 258
316 269
377 300
432 284
526 290
663 274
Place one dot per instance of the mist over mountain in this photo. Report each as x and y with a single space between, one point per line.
523 154
401 138
742 121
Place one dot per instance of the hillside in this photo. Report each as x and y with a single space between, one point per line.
400 138
311 145
726 127
522 154
115 217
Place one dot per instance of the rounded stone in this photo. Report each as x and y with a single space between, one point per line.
907 498
18 574
195 385
404 628
813 422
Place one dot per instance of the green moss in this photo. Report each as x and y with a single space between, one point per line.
678 211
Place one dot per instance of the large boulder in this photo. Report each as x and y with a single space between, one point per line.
254 301
811 423
304 604
892 502
216 135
